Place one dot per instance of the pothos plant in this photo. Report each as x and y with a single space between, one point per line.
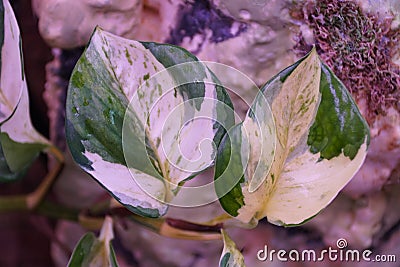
137 114
20 142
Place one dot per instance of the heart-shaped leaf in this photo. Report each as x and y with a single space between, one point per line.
20 143
139 116
321 142
92 251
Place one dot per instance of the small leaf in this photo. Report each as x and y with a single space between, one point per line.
19 155
321 142
231 256
20 143
137 115
5 173
92 251
82 250
229 172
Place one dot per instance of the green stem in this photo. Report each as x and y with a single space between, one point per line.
13 203
32 200
56 211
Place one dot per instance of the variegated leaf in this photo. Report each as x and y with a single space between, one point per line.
137 117
231 256
321 142
20 143
92 251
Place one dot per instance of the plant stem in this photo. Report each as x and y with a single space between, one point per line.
164 226
219 219
180 229
32 200
13 203
170 231
56 211
90 223
170 227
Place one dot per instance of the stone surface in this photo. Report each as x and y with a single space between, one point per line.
69 23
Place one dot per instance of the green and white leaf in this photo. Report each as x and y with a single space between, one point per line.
129 117
20 142
92 251
231 256
321 142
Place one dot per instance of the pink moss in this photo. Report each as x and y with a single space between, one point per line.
358 47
